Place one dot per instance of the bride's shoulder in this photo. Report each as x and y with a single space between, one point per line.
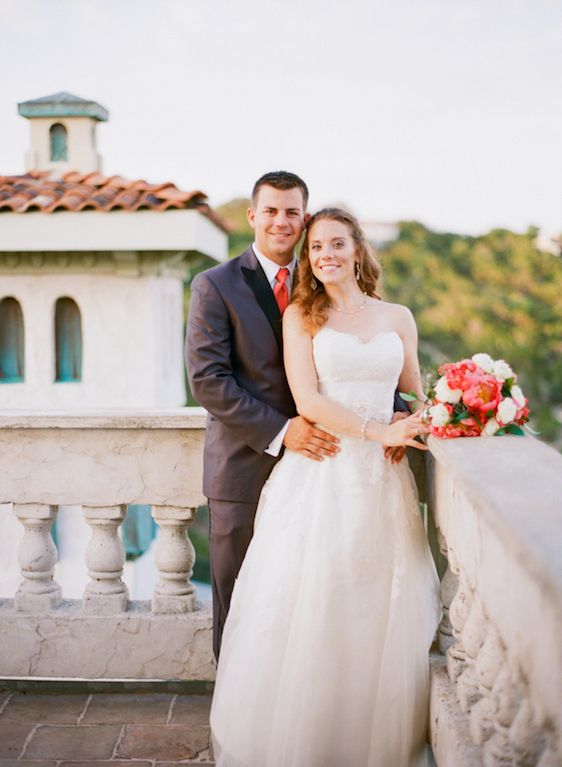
397 312
293 320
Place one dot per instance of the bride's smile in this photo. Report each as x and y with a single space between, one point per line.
332 251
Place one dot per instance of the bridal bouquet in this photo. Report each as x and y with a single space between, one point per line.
476 397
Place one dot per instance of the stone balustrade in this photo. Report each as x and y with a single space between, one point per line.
103 462
496 503
496 695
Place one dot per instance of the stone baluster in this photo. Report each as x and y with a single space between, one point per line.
473 634
489 662
105 593
37 557
525 736
458 613
507 695
550 757
175 557
448 589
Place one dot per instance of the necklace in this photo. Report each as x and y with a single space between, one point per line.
355 309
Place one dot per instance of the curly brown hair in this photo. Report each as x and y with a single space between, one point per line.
314 303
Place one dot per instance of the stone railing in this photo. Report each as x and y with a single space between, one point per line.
103 462
496 690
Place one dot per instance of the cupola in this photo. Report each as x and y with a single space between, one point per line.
63 133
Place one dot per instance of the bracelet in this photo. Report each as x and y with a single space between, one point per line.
364 425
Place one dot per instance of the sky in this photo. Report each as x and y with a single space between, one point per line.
444 111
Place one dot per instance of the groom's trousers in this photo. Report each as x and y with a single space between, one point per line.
231 530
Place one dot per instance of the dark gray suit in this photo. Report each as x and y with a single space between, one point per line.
235 366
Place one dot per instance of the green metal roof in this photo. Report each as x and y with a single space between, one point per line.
62 104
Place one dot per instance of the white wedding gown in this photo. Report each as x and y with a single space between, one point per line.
324 658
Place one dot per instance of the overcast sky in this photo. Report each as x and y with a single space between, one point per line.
446 111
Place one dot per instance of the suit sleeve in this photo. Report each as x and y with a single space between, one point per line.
211 377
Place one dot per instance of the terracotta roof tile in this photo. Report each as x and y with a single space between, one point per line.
47 192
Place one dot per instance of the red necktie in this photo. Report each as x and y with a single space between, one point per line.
280 291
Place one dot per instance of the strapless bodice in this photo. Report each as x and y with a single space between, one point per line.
360 375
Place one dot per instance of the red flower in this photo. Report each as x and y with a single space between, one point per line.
468 427
458 373
483 393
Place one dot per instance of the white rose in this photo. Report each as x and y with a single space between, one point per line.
502 370
506 410
484 361
445 394
491 427
517 396
439 414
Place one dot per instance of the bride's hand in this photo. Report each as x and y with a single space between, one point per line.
404 431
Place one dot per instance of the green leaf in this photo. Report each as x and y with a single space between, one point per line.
458 417
512 428
408 396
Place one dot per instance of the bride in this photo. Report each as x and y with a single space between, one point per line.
324 658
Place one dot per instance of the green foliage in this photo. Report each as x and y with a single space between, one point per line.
495 293
235 215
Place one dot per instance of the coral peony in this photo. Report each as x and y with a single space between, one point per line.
483 393
468 427
457 373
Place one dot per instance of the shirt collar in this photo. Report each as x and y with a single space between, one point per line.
270 267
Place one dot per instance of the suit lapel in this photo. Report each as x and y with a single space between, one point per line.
257 281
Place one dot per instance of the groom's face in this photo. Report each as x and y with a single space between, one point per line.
278 220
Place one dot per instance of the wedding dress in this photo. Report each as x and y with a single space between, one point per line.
324 658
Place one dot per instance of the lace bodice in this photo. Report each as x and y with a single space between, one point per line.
361 375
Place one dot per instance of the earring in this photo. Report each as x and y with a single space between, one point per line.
357 271
313 283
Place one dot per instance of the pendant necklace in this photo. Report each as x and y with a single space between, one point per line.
355 309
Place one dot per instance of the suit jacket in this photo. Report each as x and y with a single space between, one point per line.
234 359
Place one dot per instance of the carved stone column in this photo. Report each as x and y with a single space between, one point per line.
105 593
506 696
458 613
175 557
488 665
473 633
37 556
448 589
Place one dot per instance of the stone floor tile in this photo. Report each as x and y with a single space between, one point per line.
117 763
144 741
128 708
34 763
191 710
48 709
168 764
76 742
12 738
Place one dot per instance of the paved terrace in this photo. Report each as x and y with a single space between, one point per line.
104 729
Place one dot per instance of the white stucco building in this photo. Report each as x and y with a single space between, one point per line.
92 273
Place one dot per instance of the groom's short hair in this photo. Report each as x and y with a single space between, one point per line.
280 179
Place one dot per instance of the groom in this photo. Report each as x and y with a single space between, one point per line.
234 359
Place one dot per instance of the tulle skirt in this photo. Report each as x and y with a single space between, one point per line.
324 659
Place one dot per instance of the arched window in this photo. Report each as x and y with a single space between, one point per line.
68 340
12 362
59 144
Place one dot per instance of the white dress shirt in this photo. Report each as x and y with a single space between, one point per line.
271 268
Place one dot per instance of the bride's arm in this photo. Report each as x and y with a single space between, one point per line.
410 377
316 407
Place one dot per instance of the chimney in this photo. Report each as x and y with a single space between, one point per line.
63 133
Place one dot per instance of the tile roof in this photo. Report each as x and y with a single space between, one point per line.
49 192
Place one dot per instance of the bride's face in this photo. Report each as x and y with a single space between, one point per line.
331 251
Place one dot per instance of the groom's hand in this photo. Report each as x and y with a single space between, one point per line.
305 438
396 454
